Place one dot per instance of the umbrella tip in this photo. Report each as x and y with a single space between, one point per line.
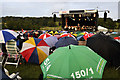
69 47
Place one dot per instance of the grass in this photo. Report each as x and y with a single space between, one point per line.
33 71
51 28
26 70
111 73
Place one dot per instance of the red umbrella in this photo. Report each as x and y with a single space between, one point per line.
35 50
87 35
44 36
67 35
117 38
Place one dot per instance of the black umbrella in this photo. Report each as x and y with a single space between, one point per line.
65 41
106 47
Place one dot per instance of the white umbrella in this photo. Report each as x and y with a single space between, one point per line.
6 35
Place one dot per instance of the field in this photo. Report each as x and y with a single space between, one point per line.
33 72
51 28
30 71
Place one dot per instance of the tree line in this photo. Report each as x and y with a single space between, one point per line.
28 23
109 23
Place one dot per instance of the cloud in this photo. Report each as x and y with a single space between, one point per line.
60 0
46 8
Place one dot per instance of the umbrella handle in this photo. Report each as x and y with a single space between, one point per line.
69 47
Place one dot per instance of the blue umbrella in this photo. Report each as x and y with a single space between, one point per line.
6 35
65 41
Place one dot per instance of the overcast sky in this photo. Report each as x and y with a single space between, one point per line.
60 0
39 8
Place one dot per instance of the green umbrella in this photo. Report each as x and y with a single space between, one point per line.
73 62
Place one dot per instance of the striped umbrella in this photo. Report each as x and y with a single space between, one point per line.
67 35
6 35
35 50
44 36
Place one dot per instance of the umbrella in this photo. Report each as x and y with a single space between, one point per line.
6 35
67 35
51 40
63 31
35 50
73 62
65 41
44 36
80 38
81 33
88 35
57 35
56 32
106 47
73 33
53 32
117 38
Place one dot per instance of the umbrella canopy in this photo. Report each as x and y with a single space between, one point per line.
88 35
44 36
117 38
6 35
73 62
63 31
35 50
81 33
51 41
67 35
57 35
106 47
73 33
65 41
53 32
80 38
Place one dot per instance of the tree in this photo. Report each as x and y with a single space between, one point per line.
51 24
110 24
